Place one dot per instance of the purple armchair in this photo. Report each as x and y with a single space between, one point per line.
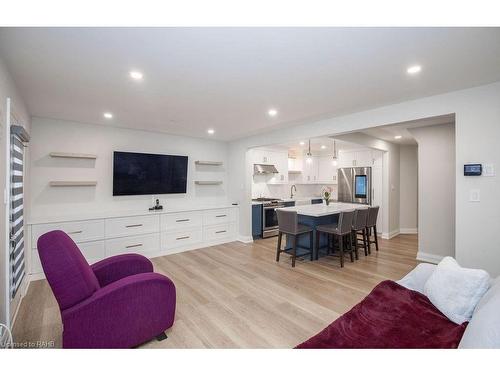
115 303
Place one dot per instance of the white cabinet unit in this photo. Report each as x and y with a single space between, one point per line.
327 172
153 234
356 158
143 244
311 170
133 225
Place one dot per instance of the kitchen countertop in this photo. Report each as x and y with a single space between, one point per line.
290 199
318 210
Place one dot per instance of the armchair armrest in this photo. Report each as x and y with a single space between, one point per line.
117 267
416 278
123 314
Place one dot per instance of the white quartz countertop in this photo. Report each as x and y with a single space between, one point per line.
318 210
294 199
123 213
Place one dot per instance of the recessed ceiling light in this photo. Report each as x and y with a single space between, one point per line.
398 136
210 131
136 75
302 143
108 115
272 112
323 147
414 69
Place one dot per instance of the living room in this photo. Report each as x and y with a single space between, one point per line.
187 188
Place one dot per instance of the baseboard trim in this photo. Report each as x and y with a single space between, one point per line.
429 258
388 236
245 239
408 230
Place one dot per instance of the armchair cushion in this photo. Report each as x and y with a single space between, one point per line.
123 314
117 267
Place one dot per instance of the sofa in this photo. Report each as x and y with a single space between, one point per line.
399 315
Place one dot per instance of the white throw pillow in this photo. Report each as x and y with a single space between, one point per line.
455 291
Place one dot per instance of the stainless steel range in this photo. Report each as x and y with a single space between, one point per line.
269 217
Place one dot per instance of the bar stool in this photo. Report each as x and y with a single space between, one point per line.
341 230
371 223
359 228
288 224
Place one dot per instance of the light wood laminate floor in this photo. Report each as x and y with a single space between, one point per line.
236 296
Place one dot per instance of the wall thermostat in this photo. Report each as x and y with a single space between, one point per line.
473 169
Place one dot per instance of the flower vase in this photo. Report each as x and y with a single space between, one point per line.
327 201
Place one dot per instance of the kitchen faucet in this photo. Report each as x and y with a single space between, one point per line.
291 191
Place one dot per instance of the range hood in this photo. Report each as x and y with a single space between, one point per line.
264 169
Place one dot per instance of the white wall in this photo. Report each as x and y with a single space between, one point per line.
408 187
18 108
436 190
50 135
477 119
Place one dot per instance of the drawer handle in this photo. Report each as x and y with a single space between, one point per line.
182 238
136 245
221 216
133 225
181 220
221 231
76 232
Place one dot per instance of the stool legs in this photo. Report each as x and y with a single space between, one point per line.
278 248
376 238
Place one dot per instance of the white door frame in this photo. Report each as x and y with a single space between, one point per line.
6 201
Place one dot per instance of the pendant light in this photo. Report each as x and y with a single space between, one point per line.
334 159
309 155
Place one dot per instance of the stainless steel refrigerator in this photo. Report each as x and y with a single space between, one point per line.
355 185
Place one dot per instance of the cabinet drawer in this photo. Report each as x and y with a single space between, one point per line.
181 238
92 251
219 232
145 244
133 225
79 231
180 221
213 217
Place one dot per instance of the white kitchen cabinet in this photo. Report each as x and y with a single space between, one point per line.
327 172
310 170
280 161
295 165
356 158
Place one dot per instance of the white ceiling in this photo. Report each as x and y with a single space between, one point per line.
227 78
388 132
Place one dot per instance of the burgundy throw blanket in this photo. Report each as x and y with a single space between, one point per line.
391 316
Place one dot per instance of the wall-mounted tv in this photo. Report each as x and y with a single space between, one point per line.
141 174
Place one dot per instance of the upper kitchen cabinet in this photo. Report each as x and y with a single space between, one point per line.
357 158
327 172
280 160
310 173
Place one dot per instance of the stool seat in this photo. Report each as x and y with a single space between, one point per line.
331 229
301 228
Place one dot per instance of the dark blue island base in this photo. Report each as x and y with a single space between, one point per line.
303 240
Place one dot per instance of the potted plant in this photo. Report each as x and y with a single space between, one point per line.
326 193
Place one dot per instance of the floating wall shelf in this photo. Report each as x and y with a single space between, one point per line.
294 172
72 155
201 162
72 183
208 182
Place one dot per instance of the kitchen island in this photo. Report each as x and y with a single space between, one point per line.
314 215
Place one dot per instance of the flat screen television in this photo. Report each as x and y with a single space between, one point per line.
142 174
